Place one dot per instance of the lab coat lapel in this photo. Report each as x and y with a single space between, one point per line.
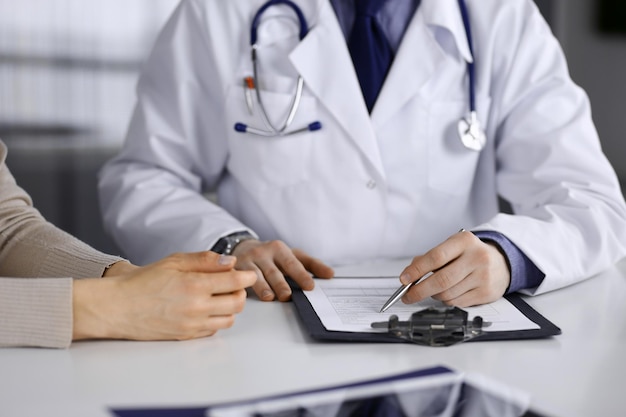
323 60
419 56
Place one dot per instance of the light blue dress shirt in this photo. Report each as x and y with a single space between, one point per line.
394 17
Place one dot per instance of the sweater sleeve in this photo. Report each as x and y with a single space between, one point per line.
36 312
41 260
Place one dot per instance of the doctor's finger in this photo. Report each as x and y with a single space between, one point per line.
470 298
441 280
452 294
488 274
479 287
260 287
314 265
275 278
291 266
437 257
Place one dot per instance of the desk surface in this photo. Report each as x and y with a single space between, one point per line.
579 373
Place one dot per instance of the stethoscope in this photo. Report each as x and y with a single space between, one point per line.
471 133
250 83
469 129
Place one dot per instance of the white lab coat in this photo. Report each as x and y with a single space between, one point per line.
393 185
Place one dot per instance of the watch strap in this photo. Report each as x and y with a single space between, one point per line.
227 244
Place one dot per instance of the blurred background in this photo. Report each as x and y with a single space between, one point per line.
68 70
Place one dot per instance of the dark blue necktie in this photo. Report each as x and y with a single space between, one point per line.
370 50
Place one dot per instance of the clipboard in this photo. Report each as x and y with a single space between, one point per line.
317 331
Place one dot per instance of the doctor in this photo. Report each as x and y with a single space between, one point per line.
301 156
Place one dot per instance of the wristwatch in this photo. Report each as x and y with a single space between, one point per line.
227 244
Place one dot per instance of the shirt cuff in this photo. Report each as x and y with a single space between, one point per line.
524 272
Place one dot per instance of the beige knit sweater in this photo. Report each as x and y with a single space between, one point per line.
39 262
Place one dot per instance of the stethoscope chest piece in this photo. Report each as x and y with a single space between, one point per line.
471 134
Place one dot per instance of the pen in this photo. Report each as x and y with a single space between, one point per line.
248 86
399 293
402 290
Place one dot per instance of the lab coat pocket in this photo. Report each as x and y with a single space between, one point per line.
452 166
260 161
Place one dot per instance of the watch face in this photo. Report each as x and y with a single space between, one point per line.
220 246
231 242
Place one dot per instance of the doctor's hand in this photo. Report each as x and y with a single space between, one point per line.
465 272
272 261
183 296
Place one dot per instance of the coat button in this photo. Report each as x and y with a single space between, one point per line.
371 184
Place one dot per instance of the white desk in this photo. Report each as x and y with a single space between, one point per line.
579 373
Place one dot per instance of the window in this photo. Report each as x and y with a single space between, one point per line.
68 68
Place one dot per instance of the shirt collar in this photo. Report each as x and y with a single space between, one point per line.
444 14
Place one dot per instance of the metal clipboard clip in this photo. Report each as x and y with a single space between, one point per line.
435 326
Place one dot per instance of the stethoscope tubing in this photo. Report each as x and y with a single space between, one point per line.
295 103
304 26
470 64
293 108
